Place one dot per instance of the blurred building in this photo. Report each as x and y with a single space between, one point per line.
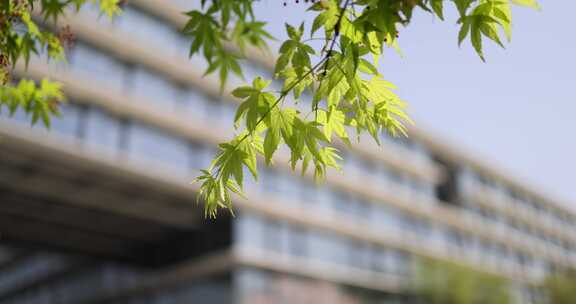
99 209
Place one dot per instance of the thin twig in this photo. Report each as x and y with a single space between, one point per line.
331 49
278 100
285 93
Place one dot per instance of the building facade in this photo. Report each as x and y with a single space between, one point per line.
99 209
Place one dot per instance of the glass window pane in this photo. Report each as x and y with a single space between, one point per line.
309 193
273 236
342 203
378 259
222 112
228 114
193 104
252 284
102 129
154 88
324 198
298 241
352 165
248 230
327 247
146 28
149 144
358 255
69 121
95 65
359 209
384 217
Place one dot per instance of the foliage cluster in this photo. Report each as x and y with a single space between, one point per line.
21 38
340 83
560 288
440 282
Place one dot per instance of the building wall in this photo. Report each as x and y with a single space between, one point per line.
29 275
256 286
364 228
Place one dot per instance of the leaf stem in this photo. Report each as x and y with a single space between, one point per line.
283 95
285 92
335 36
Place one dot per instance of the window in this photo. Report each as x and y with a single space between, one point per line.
466 180
327 247
250 185
420 227
102 129
154 88
193 104
358 255
271 181
250 283
378 261
97 65
248 230
447 189
385 217
298 241
397 178
148 29
228 114
147 143
485 181
455 239
222 112
399 262
323 198
361 208
319 245
369 168
342 203
19 116
69 121
386 178
308 193
201 156
352 164
283 187
422 154
290 187
273 236
400 141
440 237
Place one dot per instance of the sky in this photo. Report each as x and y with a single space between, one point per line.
514 112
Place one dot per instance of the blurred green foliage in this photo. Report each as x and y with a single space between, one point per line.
21 38
560 288
441 282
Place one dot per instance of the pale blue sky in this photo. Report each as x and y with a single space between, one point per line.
516 111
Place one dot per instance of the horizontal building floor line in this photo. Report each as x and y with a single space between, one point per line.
266 205
173 277
30 142
123 105
172 14
484 200
182 71
320 271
